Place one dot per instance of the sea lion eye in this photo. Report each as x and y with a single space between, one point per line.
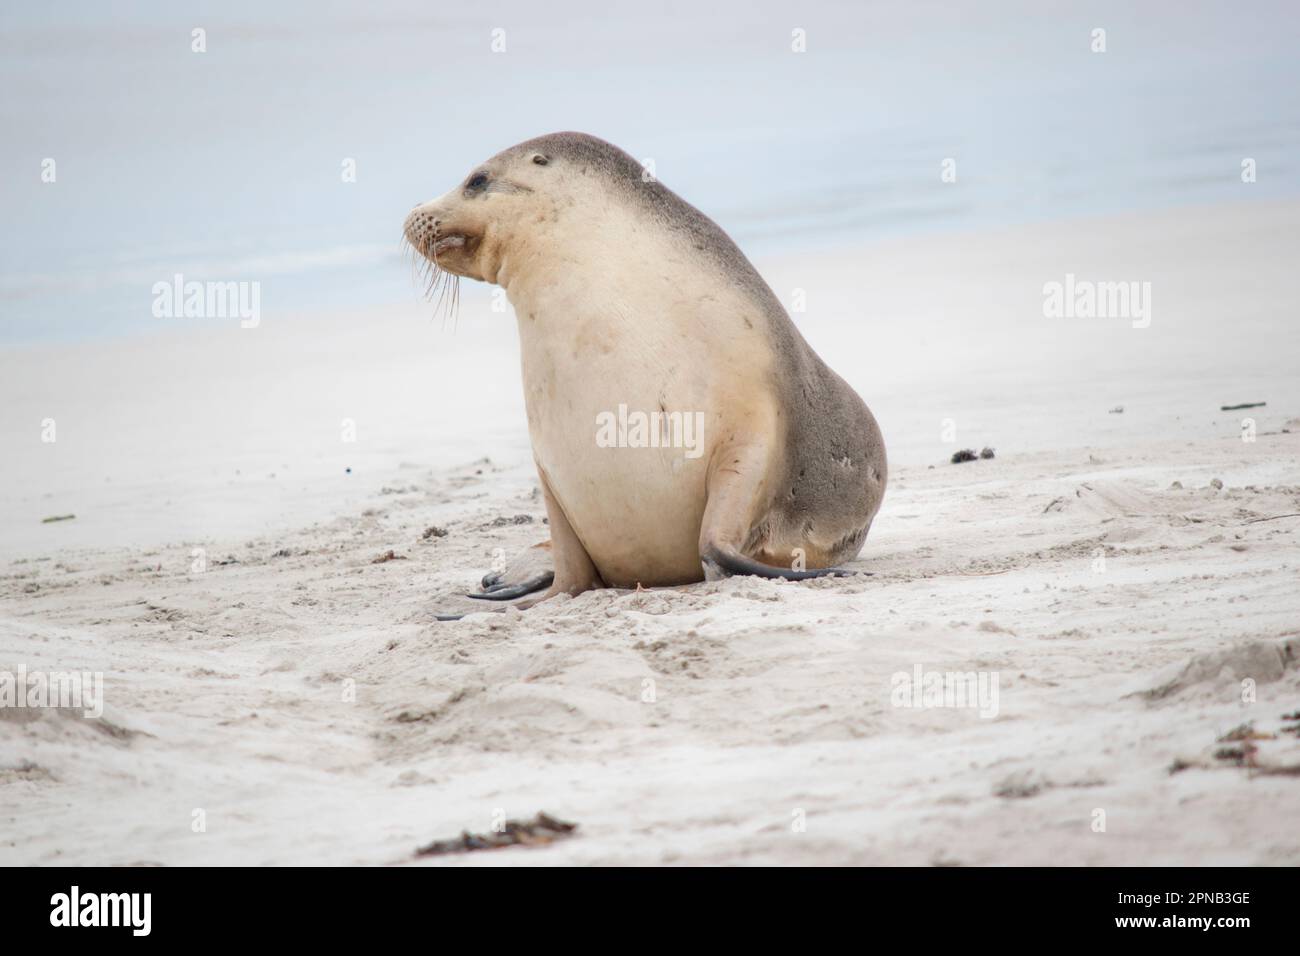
477 181
540 160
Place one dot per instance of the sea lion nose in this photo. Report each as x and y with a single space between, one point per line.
421 220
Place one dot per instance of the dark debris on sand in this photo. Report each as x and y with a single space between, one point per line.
968 454
542 830
503 521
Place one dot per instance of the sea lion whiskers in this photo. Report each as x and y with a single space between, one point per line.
440 285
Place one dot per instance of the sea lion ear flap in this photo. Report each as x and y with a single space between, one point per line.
541 159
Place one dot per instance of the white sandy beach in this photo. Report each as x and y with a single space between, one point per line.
1121 573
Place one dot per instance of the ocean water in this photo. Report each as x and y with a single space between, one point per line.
227 164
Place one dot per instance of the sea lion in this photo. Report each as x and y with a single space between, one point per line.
682 428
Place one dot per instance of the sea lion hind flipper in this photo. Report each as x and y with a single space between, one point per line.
729 518
722 562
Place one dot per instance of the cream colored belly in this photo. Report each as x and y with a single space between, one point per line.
667 340
635 507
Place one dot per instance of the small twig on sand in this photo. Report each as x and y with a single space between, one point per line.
543 829
1294 514
1233 408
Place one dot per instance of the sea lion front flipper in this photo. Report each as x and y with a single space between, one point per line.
562 563
574 570
533 569
508 592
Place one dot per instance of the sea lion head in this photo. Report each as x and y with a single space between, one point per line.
567 198
469 229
